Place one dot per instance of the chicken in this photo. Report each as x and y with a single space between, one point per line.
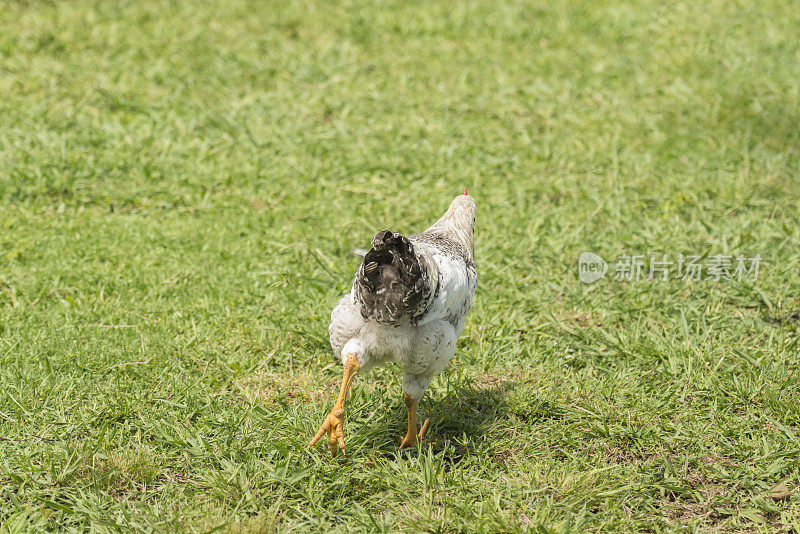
408 304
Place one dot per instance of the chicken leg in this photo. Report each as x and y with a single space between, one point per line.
411 436
334 423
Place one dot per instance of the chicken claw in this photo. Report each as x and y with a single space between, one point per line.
334 426
411 436
334 423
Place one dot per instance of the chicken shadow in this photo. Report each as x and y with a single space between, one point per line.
459 420
468 409
465 420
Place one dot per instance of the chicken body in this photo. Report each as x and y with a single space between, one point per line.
408 304
422 349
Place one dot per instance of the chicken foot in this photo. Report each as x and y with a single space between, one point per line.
334 423
411 436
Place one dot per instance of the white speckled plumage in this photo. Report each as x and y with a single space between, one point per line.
422 345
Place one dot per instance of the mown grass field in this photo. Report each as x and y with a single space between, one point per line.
181 184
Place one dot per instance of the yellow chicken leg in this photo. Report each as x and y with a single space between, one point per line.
334 423
411 436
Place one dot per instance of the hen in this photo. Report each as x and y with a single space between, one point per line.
408 304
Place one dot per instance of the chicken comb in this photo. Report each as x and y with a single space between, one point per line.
465 189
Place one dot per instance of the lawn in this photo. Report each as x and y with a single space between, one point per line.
182 182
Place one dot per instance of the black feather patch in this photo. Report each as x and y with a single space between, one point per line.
392 284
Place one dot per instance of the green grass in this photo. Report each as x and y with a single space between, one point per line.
181 184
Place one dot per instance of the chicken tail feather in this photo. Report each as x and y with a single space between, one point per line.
393 284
